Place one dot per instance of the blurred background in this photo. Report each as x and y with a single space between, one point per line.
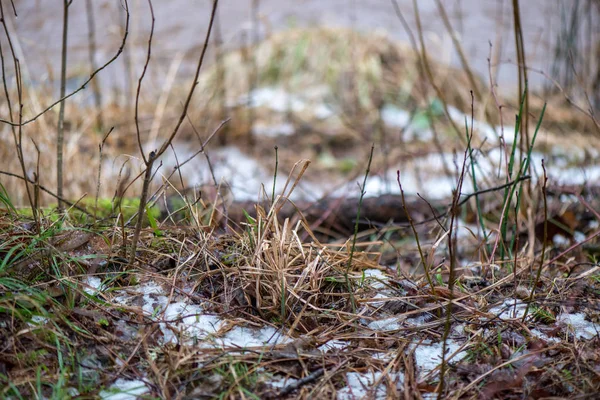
321 80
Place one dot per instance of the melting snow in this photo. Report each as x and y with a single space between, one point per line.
510 308
272 131
281 382
244 337
333 345
124 390
375 277
93 285
429 356
581 328
361 385
394 116
182 320
388 324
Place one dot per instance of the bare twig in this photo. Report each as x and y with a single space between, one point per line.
154 155
17 134
61 112
89 9
83 86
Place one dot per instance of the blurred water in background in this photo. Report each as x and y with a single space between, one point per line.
181 26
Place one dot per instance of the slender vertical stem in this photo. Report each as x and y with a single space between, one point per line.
89 7
61 112
17 133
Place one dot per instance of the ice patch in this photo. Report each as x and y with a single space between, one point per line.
189 320
37 320
281 382
362 385
395 117
244 337
375 278
577 323
429 356
238 172
545 337
324 111
93 285
388 324
272 131
509 309
333 345
276 99
123 389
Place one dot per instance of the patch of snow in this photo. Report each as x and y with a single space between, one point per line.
419 320
37 320
388 324
272 131
236 171
154 304
429 356
424 135
150 288
93 285
581 328
324 111
276 99
484 129
190 320
545 337
510 308
362 386
280 382
375 278
382 356
395 117
123 389
381 303
333 345
244 337
560 241
579 236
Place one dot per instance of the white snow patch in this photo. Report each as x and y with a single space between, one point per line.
37 320
280 382
388 324
93 285
241 174
244 337
333 345
324 111
190 320
384 298
579 236
394 116
276 99
581 328
429 356
375 277
560 241
362 386
419 320
272 131
484 129
545 337
510 308
123 389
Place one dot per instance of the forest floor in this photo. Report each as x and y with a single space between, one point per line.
487 289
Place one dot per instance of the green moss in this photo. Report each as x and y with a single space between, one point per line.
105 210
